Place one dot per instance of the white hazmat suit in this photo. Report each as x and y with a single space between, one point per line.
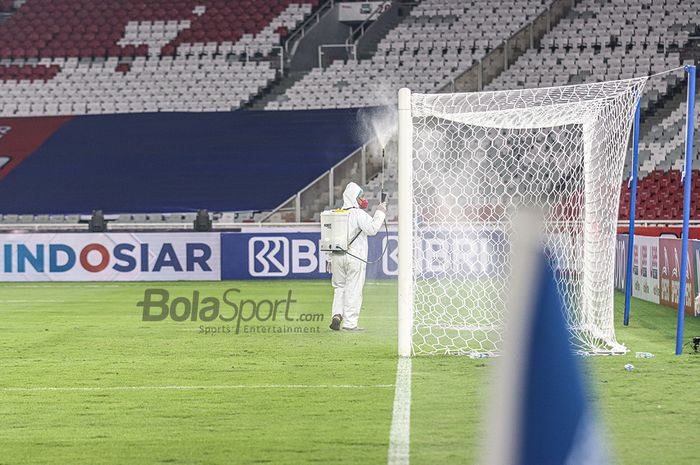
348 271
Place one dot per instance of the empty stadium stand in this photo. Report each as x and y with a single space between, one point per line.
660 197
596 41
87 29
83 57
601 41
663 147
439 40
143 85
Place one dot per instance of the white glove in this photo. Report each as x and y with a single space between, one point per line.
329 265
382 207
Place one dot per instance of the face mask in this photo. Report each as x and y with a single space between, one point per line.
362 203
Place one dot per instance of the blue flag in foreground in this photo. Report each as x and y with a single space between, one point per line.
556 423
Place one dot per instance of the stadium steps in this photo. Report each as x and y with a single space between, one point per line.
671 100
275 90
368 41
663 108
462 83
653 117
292 74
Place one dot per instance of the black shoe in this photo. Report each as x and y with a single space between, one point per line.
335 323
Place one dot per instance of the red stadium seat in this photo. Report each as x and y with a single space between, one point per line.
660 196
90 29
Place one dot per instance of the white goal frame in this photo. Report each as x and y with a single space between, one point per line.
406 219
405 214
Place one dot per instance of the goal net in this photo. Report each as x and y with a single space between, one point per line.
467 163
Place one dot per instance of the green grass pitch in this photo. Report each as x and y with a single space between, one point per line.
83 380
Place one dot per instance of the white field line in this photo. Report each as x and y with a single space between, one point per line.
62 285
202 387
400 435
50 301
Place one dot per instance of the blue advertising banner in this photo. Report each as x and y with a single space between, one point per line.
295 255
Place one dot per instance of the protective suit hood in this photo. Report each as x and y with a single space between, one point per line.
350 194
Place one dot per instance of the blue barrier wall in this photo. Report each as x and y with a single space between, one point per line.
173 162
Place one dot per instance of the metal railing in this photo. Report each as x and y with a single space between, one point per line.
321 192
281 57
314 189
294 38
359 30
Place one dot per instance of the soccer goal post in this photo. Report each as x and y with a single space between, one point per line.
467 163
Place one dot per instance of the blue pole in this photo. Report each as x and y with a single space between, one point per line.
633 206
686 204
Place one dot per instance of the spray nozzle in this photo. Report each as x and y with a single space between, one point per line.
383 193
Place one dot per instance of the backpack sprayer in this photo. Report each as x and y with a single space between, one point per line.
335 231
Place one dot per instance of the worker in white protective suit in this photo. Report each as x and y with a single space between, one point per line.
349 268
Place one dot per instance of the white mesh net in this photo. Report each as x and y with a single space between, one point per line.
477 157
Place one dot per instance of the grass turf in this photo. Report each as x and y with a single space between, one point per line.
318 397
